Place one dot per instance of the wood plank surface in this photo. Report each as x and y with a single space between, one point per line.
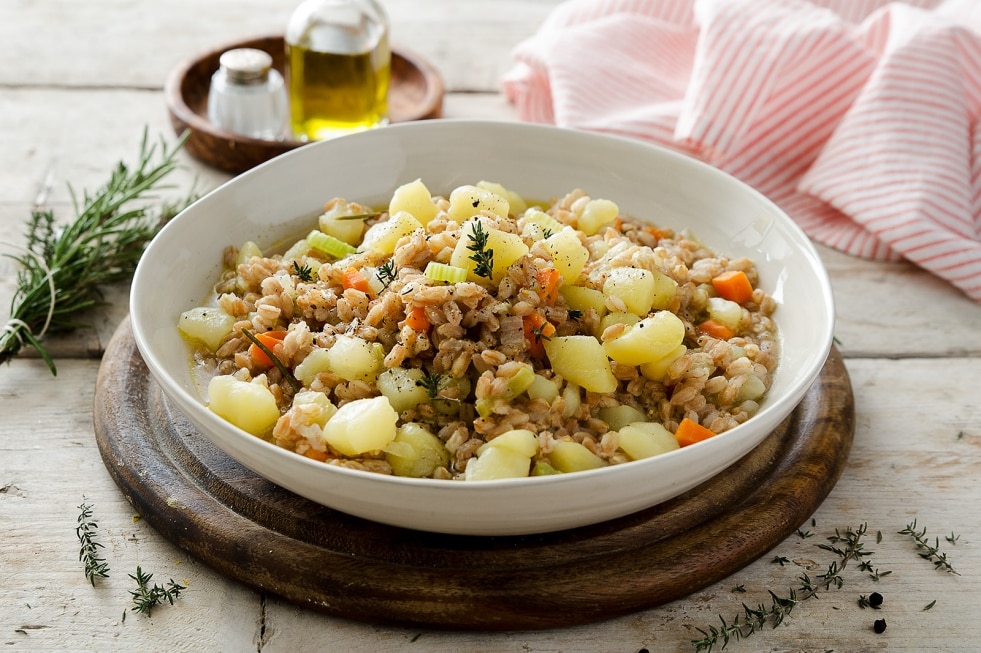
81 81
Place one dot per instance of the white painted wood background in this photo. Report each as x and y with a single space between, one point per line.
78 84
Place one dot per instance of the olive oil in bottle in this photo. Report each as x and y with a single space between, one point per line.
339 67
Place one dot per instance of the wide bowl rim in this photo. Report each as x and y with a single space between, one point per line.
785 223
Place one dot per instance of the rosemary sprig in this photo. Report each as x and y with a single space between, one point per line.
482 256
929 552
95 566
63 270
846 546
146 597
294 383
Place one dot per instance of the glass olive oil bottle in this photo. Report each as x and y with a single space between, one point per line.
339 67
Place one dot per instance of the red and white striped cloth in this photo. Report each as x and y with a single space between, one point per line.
858 117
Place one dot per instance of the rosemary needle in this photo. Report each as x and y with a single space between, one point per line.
64 269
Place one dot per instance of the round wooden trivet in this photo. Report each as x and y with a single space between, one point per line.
274 541
415 93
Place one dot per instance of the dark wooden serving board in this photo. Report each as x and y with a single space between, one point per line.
274 541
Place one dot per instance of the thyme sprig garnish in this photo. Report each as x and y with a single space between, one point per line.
482 255
358 216
929 552
846 546
95 566
431 381
146 597
386 273
63 270
285 371
303 272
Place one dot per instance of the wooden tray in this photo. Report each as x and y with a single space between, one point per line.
416 93
274 541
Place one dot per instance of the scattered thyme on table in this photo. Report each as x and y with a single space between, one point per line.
63 269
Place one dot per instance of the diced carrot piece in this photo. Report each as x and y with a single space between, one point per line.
733 285
536 328
549 279
716 329
417 320
269 339
353 278
319 456
654 231
690 432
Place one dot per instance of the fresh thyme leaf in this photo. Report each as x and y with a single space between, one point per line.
275 359
575 314
539 333
63 270
95 566
431 382
932 553
929 606
303 272
386 273
846 546
146 597
482 256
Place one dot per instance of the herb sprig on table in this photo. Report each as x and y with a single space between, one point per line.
64 269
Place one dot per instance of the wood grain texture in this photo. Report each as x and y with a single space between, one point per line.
416 93
252 531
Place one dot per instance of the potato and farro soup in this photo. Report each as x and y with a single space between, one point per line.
479 335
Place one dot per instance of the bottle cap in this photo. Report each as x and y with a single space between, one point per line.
246 66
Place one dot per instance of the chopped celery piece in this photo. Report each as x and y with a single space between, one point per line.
328 244
442 272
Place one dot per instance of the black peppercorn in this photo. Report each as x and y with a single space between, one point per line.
875 599
879 626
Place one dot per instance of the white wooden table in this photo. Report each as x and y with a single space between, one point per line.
79 83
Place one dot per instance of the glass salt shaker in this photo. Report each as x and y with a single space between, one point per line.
248 96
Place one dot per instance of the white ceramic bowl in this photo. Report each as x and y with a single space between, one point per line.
281 198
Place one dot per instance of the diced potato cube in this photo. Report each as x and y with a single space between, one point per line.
646 439
415 452
516 203
353 358
498 462
582 298
633 286
247 251
382 237
617 417
468 201
317 361
650 339
209 325
520 441
361 426
542 388
568 456
568 254
726 312
581 360
506 247
316 405
415 198
656 370
616 317
401 387
665 288
572 397
596 215
752 389
249 406
337 223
